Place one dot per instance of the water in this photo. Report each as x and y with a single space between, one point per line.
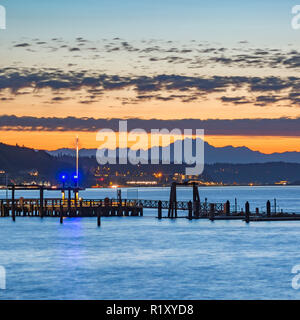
144 258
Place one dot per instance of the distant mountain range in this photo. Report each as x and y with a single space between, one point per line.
229 154
28 165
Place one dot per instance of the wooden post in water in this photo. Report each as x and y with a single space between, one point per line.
119 196
80 206
2 208
69 201
190 207
212 211
61 218
31 208
53 209
268 208
227 208
98 217
141 210
13 210
247 212
173 201
159 210
74 210
41 201
196 200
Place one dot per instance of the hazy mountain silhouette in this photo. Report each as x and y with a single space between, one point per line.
228 154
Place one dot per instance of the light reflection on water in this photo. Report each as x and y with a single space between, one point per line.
144 258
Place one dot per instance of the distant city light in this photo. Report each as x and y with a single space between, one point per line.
142 182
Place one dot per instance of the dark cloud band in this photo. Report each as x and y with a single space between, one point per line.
267 89
244 127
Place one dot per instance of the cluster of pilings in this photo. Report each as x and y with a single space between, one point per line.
198 210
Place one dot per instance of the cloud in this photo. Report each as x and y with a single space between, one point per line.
244 127
191 54
235 100
22 45
74 49
268 90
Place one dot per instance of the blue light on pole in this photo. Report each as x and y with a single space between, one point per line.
63 178
76 180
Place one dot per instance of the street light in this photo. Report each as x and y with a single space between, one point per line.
76 180
63 178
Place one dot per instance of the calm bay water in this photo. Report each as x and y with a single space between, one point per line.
143 258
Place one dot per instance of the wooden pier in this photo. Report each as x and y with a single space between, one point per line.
73 206
56 207
66 207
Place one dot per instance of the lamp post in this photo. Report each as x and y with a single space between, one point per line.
63 178
76 180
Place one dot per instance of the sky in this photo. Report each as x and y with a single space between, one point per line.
65 66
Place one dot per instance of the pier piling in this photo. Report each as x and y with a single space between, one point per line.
13 210
41 202
196 200
268 208
227 208
159 210
247 212
190 206
61 218
211 211
98 217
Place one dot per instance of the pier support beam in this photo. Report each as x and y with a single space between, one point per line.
41 201
190 207
99 217
173 202
119 196
247 212
159 210
2 208
212 211
69 201
141 210
13 209
196 200
227 208
61 218
268 208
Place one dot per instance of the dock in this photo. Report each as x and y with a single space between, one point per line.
70 205
57 207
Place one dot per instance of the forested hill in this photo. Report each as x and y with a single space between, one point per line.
17 160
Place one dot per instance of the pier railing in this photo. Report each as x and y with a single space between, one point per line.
52 206
150 204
